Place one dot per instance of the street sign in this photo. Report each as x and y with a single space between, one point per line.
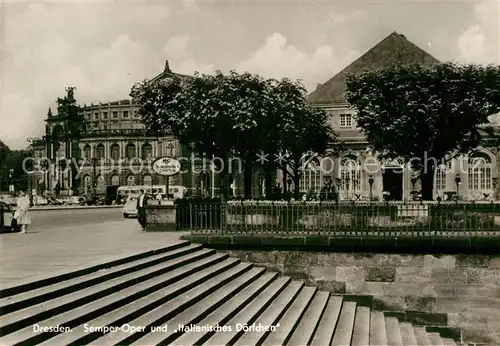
166 166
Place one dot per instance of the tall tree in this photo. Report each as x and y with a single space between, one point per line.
426 115
195 110
239 114
303 131
13 160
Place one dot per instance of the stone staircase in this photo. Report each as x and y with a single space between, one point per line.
186 294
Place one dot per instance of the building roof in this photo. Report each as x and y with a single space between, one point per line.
167 72
164 74
393 50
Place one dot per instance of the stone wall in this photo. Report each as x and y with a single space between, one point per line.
161 218
464 287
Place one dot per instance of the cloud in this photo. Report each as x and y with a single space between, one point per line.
345 17
480 42
278 59
100 48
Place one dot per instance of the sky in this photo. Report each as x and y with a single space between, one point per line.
103 48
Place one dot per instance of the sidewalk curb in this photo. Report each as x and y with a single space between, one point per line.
32 282
77 208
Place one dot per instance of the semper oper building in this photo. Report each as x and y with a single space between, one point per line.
114 150
359 174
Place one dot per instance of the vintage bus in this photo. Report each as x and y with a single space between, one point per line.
177 191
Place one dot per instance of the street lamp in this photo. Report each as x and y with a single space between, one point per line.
495 182
413 182
328 185
339 184
370 181
94 180
11 185
170 151
457 182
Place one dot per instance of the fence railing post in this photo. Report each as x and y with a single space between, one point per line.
190 216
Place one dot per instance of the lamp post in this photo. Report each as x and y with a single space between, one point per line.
328 185
94 178
11 185
495 183
339 184
170 151
457 182
413 182
81 184
370 181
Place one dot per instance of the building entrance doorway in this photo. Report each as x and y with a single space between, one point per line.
392 179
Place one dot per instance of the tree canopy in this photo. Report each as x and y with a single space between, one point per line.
234 114
303 132
12 159
418 112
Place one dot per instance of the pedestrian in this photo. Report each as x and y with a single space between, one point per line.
142 201
22 215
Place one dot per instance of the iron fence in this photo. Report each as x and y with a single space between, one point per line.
350 219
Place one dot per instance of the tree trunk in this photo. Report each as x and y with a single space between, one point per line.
285 178
269 181
223 181
247 178
296 182
427 183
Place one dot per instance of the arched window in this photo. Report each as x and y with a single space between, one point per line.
115 180
86 180
130 180
350 173
440 178
311 178
146 180
479 172
131 152
100 152
87 152
204 182
115 151
87 183
147 151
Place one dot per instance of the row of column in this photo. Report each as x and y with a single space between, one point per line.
157 149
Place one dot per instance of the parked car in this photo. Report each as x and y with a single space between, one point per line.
41 200
74 200
8 199
55 201
130 208
9 224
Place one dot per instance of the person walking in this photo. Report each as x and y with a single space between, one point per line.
22 213
142 201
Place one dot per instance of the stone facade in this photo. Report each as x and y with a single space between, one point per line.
356 167
478 174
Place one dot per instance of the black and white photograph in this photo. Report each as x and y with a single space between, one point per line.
254 173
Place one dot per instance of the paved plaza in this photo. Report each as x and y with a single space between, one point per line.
66 247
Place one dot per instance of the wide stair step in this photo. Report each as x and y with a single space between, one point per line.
185 294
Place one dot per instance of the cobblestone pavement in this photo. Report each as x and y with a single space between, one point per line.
64 247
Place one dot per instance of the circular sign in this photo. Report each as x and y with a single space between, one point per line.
166 166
